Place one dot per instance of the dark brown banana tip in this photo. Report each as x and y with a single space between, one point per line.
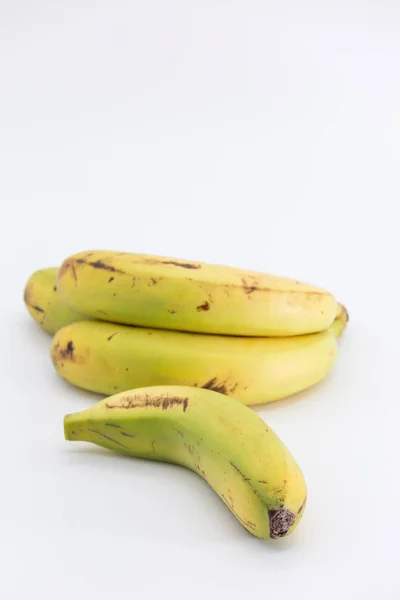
280 521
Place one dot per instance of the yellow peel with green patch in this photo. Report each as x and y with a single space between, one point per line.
219 438
109 358
167 293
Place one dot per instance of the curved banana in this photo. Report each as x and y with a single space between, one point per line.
109 358
44 303
168 293
227 444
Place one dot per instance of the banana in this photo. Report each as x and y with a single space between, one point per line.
226 443
341 321
109 358
167 293
44 303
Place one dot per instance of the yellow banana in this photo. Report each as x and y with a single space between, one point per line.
341 321
44 303
106 358
51 312
168 293
226 443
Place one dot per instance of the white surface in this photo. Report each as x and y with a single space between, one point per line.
258 134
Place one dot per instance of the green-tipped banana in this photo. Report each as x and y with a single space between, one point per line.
226 443
168 293
44 303
109 358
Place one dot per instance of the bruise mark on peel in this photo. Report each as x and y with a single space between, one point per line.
112 425
111 336
184 265
222 387
99 264
204 306
280 521
212 384
127 434
66 353
111 279
175 263
163 402
69 351
251 286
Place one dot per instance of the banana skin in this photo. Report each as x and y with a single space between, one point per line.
44 303
219 438
109 358
168 293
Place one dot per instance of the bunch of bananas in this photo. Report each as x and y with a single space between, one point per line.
180 348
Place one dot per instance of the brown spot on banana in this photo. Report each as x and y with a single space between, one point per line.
163 402
99 264
302 506
110 337
223 387
204 306
66 265
175 263
38 308
249 287
66 353
242 475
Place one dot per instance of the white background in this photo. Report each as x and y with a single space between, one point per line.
258 134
